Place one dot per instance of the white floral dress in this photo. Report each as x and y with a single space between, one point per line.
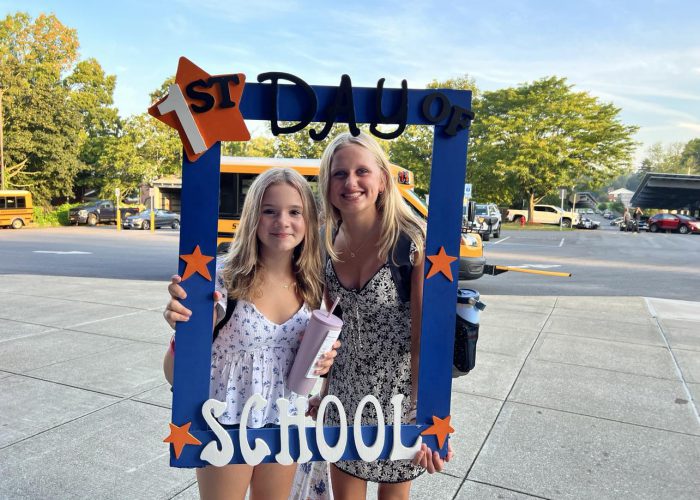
252 355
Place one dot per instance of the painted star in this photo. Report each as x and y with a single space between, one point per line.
441 264
179 437
223 121
196 263
441 428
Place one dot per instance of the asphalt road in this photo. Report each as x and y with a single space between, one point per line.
604 262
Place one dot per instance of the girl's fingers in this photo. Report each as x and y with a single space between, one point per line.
175 278
217 296
435 465
176 291
337 345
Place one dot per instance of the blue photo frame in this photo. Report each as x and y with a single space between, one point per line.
199 217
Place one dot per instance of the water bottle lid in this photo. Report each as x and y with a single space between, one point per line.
467 296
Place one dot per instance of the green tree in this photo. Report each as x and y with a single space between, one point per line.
543 135
690 157
41 121
413 149
664 159
92 94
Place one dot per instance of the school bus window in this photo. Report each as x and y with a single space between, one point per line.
2 202
10 202
246 181
21 203
227 195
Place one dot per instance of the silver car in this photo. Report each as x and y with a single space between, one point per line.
142 220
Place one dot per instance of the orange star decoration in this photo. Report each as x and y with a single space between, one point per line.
180 436
441 264
441 428
203 109
196 263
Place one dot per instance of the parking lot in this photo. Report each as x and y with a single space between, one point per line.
577 392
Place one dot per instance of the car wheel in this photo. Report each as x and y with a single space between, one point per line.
175 224
654 228
92 220
17 224
683 230
486 236
497 232
146 225
566 222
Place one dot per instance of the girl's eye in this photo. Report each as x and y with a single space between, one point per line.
339 174
295 213
268 211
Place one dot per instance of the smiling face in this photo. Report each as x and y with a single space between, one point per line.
281 226
355 180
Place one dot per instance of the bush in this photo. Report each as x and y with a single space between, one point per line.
49 217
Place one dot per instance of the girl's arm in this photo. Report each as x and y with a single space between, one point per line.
416 313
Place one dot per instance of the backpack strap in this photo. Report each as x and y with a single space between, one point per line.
230 306
401 267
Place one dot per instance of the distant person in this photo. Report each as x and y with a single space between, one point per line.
637 219
626 219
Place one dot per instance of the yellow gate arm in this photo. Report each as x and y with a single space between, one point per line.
496 270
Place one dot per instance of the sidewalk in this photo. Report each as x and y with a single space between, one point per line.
572 397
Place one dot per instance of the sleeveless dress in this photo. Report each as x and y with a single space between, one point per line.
252 355
375 359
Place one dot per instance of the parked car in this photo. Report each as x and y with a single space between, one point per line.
487 220
545 214
587 223
674 222
98 211
142 220
617 221
590 211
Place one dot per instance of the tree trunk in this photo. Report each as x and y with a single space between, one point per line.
531 209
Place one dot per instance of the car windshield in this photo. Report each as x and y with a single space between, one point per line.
687 218
481 210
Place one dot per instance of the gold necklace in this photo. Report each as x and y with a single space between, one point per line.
291 283
347 245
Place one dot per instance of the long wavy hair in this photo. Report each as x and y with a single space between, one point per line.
241 265
396 216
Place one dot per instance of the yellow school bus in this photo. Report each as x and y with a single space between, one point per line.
16 209
238 173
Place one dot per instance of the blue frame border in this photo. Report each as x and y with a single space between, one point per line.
199 217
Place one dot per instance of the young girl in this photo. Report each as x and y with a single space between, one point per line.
273 271
365 219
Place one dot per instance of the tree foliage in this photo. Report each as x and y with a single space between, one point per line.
414 148
539 136
42 124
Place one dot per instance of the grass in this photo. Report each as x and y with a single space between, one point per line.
515 226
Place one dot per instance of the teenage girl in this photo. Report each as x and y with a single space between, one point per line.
366 221
273 272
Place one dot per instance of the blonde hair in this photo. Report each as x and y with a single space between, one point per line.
396 216
241 270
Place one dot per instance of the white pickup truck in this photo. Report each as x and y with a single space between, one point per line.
545 214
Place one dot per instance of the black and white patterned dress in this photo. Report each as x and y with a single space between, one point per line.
375 359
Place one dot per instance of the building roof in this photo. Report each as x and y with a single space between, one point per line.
670 191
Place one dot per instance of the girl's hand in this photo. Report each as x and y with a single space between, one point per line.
312 410
174 310
430 460
324 365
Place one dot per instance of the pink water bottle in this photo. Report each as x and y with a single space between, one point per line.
321 333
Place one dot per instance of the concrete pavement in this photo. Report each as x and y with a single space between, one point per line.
572 397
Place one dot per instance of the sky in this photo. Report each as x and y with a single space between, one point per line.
642 56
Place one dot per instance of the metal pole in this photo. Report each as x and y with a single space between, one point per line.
561 219
2 149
